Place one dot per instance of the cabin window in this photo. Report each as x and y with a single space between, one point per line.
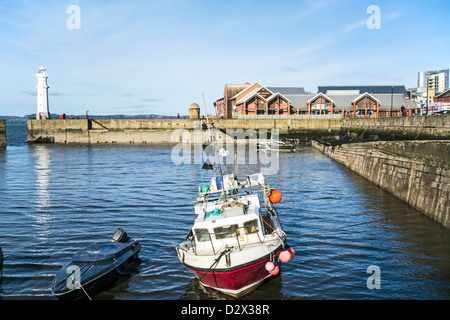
226 231
251 226
202 235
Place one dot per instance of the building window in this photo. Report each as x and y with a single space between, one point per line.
320 106
363 112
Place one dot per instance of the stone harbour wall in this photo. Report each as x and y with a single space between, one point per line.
404 128
83 131
2 133
159 131
417 172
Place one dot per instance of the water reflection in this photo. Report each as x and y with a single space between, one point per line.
43 171
42 167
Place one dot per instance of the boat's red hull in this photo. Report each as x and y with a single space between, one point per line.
238 281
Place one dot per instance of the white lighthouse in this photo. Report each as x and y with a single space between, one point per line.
42 95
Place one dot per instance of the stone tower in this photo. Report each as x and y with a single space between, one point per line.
194 111
42 95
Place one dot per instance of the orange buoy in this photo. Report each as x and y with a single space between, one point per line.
275 196
292 252
275 271
270 266
285 255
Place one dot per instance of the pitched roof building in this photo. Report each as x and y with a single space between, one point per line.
382 89
347 101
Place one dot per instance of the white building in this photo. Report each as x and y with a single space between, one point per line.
434 81
438 81
42 95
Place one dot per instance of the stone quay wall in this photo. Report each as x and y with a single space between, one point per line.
159 131
417 172
404 128
2 133
86 131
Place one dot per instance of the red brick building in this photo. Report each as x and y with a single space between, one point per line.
251 99
224 108
443 97
346 102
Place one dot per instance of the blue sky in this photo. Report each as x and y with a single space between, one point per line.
142 57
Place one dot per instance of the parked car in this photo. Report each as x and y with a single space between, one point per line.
442 112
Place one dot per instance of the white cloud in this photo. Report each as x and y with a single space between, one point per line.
385 17
355 25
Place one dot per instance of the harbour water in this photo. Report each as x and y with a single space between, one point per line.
56 200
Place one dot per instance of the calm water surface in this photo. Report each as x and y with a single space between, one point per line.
56 200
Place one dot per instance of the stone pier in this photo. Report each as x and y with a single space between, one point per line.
295 128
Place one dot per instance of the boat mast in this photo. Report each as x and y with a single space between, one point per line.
215 148
221 177
235 165
206 115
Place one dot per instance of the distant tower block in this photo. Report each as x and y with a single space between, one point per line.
194 111
42 95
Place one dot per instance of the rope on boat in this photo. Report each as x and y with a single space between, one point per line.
216 261
78 282
276 232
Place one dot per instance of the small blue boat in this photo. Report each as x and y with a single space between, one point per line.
96 267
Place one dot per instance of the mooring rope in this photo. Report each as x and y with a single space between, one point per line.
216 261
78 282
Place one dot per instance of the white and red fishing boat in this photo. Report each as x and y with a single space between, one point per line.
236 241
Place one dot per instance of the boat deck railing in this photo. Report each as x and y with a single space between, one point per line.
232 192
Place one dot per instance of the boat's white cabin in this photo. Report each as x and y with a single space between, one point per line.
233 223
